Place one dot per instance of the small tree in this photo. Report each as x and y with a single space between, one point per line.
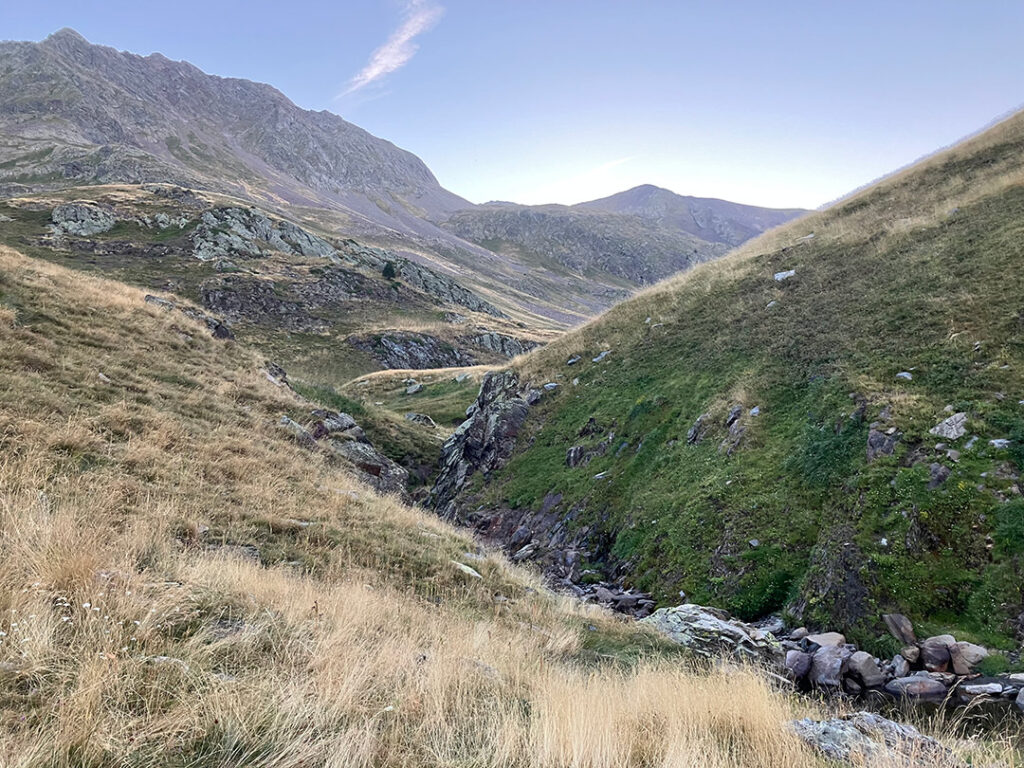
389 271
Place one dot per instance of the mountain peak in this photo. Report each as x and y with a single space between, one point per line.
66 34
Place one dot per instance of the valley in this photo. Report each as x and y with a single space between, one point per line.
307 460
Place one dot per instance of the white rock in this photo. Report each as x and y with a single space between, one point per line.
466 569
780 276
952 428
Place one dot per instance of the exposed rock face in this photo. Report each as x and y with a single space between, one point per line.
247 233
868 739
408 349
82 219
431 282
710 632
501 343
252 299
483 442
376 468
339 434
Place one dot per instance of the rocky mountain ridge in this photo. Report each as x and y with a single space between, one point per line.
74 113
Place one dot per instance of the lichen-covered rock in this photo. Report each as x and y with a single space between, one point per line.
82 219
710 632
248 233
501 343
952 428
412 350
868 739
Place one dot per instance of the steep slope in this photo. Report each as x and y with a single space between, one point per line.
829 421
641 235
181 583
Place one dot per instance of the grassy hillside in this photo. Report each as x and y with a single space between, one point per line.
180 584
920 275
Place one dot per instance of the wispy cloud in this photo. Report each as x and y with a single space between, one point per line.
418 17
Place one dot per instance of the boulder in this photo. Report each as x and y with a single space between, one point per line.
952 428
935 652
916 686
81 219
1019 701
827 665
825 639
709 632
911 653
880 444
422 419
964 657
864 667
900 666
868 739
938 474
798 664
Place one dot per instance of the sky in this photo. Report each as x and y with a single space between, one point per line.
780 104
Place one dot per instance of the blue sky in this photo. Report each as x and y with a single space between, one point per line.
781 104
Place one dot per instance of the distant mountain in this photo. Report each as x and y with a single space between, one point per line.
717 221
642 235
87 113
73 114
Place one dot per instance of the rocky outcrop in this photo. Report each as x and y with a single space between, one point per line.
227 233
82 219
341 437
411 350
483 442
501 344
867 739
252 299
431 282
710 632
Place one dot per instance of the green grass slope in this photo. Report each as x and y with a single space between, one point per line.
922 273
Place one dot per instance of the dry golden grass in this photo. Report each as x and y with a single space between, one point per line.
137 632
